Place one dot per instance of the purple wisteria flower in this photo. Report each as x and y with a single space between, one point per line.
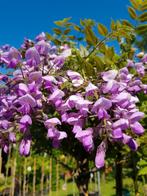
100 155
24 148
75 77
25 122
32 57
53 132
11 58
86 138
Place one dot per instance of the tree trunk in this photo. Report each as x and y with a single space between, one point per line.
118 175
82 176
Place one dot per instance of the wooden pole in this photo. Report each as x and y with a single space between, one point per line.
34 178
24 177
42 178
20 181
7 167
13 170
47 182
50 177
57 178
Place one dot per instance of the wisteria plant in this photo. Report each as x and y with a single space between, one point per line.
81 115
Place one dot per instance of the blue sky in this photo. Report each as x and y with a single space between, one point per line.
27 18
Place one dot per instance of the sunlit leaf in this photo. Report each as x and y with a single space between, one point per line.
102 29
77 28
141 29
132 13
135 4
62 22
57 31
113 25
144 6
127 23
143 17
66 31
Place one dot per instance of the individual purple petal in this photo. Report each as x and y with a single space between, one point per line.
137 128
52 122
130 63
117 134
41 36
102 103
52 132
76 78
122 97
123 124
4 124
32 56
77 128
90 89
58 62
26 120
35 76
102 113
56 95
111 86
22 88
62 135
25 108
136 116
6 148
109 75
100 155
130 142
42 47
140 68
27 99
12 137
27 147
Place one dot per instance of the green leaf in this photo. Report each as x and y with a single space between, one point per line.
49 37
142 171
143 17
57 31
132 13
72 37
77 28
57 42
113 25
62 22
127 23
141 29
144 6
90 36
135 4
66 31
102 29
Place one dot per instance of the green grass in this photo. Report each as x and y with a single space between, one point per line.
107 188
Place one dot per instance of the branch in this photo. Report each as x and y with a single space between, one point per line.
99 44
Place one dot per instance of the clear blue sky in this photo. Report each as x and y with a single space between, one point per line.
27 18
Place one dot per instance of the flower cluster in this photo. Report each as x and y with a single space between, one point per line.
38 82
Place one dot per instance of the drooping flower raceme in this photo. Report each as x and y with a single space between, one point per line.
37 84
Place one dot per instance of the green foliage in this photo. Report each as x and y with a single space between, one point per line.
132 12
